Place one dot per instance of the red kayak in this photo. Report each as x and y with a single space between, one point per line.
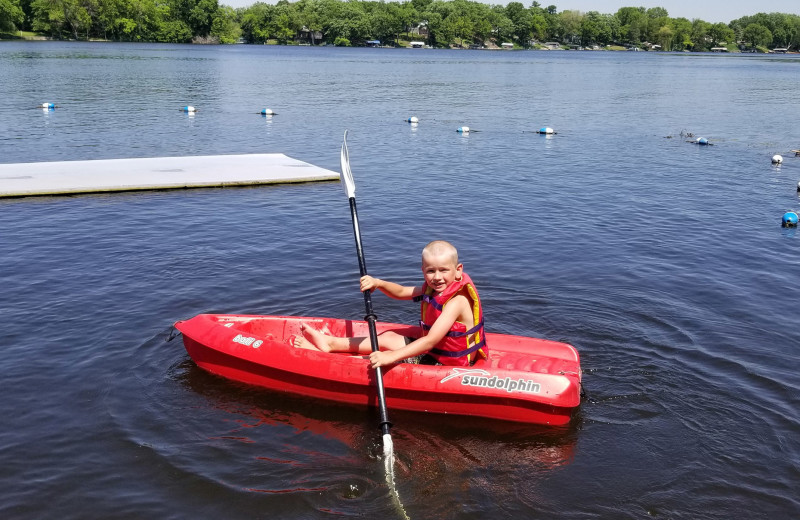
525 379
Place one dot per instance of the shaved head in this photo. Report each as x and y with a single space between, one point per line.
441 248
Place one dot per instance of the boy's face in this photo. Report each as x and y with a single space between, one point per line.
440 271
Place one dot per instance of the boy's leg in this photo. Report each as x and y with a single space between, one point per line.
313 338
387 340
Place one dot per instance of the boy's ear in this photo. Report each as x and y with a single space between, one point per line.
459 270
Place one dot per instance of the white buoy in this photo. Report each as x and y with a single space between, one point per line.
49 106
463 130
412 119
777 159
189 108
546 130
267 112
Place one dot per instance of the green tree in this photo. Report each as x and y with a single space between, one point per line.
172 31
571 22
11 15
254 21
720 33
408 15
147 17
539 26
590 28
439 33
757 35
201 17
225 27
682 34
598 28
350 22
785 28
198 14
61 18
421 5
700 37
286 22
664 37
654 13
657 19
633 24
521 19
502 28
385 23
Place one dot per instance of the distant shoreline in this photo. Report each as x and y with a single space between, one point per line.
608 48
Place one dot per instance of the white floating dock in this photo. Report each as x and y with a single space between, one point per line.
157 173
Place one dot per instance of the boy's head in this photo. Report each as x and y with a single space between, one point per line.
441 248
440 265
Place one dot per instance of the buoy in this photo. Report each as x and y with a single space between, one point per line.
189 108
545 130
267 112
412 119
702 140
798 186
463 130
777 159
789 219
48 106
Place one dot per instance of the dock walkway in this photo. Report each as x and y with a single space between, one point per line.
156 173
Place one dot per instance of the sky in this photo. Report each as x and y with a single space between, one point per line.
708 10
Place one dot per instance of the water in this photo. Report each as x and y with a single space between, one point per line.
663 262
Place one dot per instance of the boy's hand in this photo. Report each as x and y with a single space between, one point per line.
378 359
368 283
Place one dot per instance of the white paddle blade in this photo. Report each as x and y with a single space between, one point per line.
388 466
346 176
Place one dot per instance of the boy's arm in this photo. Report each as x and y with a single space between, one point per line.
390 289
454 308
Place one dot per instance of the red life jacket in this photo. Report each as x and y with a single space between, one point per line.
460 347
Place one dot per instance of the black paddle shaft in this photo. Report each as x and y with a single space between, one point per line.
371 319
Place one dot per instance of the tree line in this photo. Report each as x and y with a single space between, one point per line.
438 23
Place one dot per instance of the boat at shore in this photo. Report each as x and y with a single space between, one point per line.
525 380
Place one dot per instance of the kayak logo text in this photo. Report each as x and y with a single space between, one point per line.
481 378
250 342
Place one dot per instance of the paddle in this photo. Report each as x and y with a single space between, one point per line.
350 189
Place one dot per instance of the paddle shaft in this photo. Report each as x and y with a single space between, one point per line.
371 319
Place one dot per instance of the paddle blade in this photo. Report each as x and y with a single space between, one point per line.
346 176
388 466
388 454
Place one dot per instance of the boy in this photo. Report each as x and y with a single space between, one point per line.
452 319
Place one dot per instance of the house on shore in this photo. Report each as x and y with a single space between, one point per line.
420 30
307 35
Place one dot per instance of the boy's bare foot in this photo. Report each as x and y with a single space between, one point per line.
312 339
301 342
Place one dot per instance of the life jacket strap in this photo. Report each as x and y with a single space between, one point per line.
453 333
430 300
460 353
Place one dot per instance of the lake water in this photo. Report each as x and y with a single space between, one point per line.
663 262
